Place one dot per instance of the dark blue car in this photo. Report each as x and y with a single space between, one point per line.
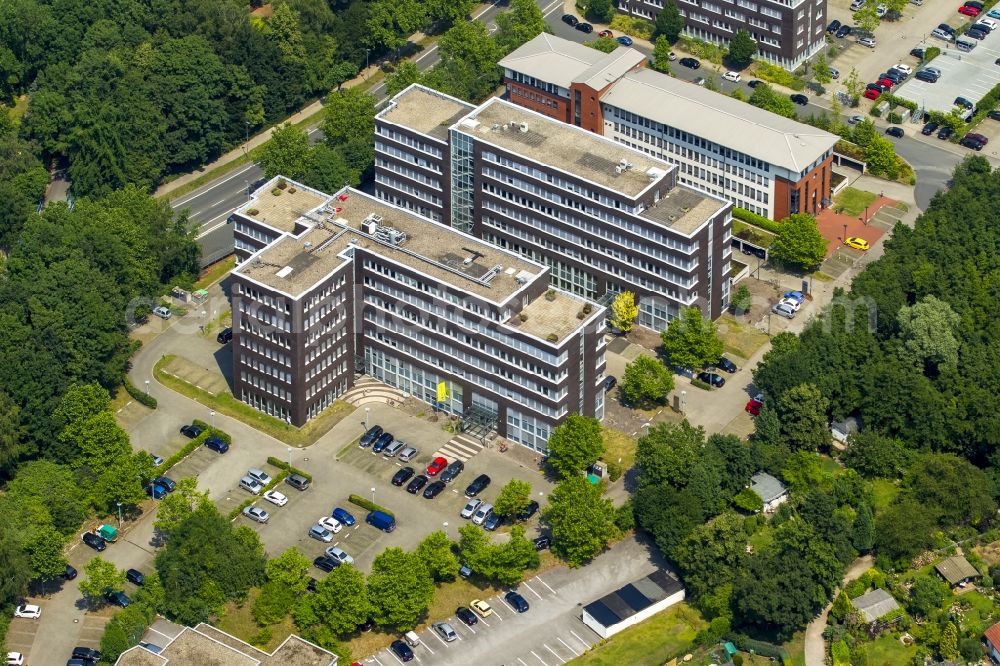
624 40
216 444
343 516
156 491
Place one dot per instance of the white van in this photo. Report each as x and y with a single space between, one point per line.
965 44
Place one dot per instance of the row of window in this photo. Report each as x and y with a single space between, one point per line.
330 291
533 97
326 380
324 344
408 204
266 351
264 316
533 82
382 179
259 382
325 362
253 231
266 368
407 140
406 156
327 399
406 172
264 332
277 302
265 404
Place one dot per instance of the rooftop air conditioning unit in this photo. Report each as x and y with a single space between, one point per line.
618 169
524 128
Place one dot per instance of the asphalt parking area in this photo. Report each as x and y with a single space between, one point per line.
21 634
970 75
235 495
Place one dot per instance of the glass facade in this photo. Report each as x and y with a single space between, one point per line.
527 430
462 181
408 378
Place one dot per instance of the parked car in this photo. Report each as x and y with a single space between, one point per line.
783 310
225 335
445 631
117 598
834 26
95 541
906 69
15 659
753 407
606 33
993 115
610 382
834 72
344 516
892 75
297 481
86 653
527 512
969 11
257 514
433 490
320 533
886 83
725 364
569 19
384 440
624 40
690 63
732 76
162 311
517 602
408 454
477 486
381 520
799 99
585 28
453 469
972 142
466 616
492 522
718 381
975 33
854 120
484 510
994 13
70 572
481 608
927 76
896 132
942 34
135 577
929 128
217 445
398 647
402 476
325 563
844 31
339 554
157 460
962 102
30 611
191 431
867 41
542 542
436 466
755 82
470 508
945 132
260 475
394 448
156 491
370 436
330 523
251 485
276 498
872 93
166 482
857 243
416 484
918 53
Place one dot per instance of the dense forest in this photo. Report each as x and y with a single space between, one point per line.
128 92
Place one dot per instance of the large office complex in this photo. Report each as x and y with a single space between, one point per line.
758 160
787 32
604 217
353 282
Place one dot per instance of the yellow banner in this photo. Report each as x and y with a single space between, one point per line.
442 392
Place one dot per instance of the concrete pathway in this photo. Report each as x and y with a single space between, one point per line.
815 645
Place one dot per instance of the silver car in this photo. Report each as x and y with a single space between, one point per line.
445 631
339 554
408 454
320 533
470 508
783 310
260 475
162 312
254 513
251 484
482 513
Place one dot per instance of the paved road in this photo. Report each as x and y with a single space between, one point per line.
815 645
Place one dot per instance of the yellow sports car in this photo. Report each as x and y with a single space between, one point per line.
481 607
857 243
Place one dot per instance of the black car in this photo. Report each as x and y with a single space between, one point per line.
584 27
799 99
433 490
86 653
477 486
929 128
945 132
402 476
944 27
225 335
569 19
326 563
117 598
964 103
311 585
924 75
95 541
875 86
519 603
610 382
418 482
492 522
453 469
166 482
725 364
844 31
753 83
542 542
975 34
834 26
370 436
70 572
466 616
918 53
191 431
711 378
982 27
690 63
894 132
79 662
993 115
216 445
893 75
401 650
135 576
384 440
971 142
528 511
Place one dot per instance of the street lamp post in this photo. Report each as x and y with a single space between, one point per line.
367 51
212 414
845 233
373 495
366 417
147 388
119 514
289 458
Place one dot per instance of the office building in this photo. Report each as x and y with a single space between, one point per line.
758 160
355 283
787 32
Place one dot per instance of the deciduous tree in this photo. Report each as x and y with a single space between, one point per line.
603 44
435 551
821 69
646 380
624 311
928 330
661 55
691 339
799 242
804 423
101 576
522 23
340 602
286 153
669 22
601 11
742 49
880 155
178 505
400 589
513 498
765 97
582 521
575 445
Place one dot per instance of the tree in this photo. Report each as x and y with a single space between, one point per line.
880 156
290 570
436 554
391 23
601 11
952 489
854 86
799 242
948 645
44 548
12 443
867 17
406 74
16 566
875 455
742 48
123 482
340 602
669 514
178 505
646 380
669 22
582 521
661 55
691 340
448 11
821 69
125 628
748 501
400 589
53 494
928 330
902 530
711 553
841 607
349 121
286 153
468 62
603 44
503 563
101 576
765 97
863 536
669 453
575 445
864 132
522 23
804 423
927 593
742 299
328 170
513 498
624 311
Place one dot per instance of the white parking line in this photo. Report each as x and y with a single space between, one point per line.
522 661
455 623
395 657
561 660
375 659
481 620
532 590
539 579
584 643
439 638
539 658
498 615
567 646
428 646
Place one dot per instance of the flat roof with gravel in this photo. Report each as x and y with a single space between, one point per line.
424 110
684 210
565 147
284 210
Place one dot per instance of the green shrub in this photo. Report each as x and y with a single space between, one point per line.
615 471
125 629
237 510
750 217
625 517
207 431
748 500
931 53
636 27
280 464
139 396
899 101
876 112
700 384
894 118
779 75
368 504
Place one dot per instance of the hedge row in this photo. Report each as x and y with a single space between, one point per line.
281 464
139 396
750 217
207 431
369 505
897 101
253 498
224 436
700 384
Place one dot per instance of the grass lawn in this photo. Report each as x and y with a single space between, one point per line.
739 339
618 446
755 235
238 621
649 643
852 201
797 649
215 272
885 491
762 538
974 619
829 465
888 651
225 403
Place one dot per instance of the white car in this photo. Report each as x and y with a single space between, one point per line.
254 513
988 22
339 554
15 659
470 508
854 120
731 76
671 56
905 69
881 10
276 498
30 611
330 523
162 311
260 475
793 303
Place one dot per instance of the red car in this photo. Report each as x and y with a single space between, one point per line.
968 11
872 94
753 407
886 83
606 33
436 466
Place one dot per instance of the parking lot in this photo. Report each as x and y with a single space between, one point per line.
970 75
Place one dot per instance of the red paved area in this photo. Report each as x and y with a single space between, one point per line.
831 225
